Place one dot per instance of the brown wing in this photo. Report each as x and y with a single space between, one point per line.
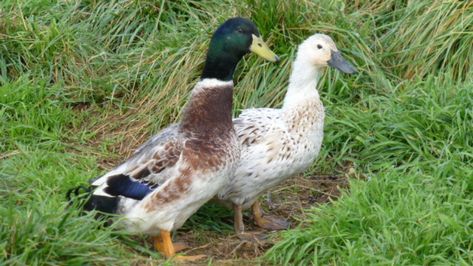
152 161
164 157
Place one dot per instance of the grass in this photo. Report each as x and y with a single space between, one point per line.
83 83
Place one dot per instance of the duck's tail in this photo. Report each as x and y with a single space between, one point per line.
87 198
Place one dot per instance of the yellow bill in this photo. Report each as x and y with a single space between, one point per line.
259 47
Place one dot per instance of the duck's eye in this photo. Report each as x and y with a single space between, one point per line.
319 46
240 30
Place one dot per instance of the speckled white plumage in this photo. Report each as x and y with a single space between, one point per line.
279 143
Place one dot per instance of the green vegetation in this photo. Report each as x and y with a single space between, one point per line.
82 83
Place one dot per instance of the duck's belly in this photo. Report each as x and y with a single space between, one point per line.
259 171
142 217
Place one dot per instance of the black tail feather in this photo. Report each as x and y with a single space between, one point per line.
102 203
82 195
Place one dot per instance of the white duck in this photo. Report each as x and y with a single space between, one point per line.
279 143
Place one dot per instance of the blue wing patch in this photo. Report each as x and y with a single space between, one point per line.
123 185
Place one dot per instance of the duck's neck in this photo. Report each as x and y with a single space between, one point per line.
220 64
209 111
302 83
220 68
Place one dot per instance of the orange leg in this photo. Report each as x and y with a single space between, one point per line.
163 243
266 221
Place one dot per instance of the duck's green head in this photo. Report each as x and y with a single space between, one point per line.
230 42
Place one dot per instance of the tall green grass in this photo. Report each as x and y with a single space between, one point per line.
82 83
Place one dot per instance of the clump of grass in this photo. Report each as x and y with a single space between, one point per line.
399 217
422 121
422 38
32 114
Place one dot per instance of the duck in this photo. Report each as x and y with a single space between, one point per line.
183 166
278 143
